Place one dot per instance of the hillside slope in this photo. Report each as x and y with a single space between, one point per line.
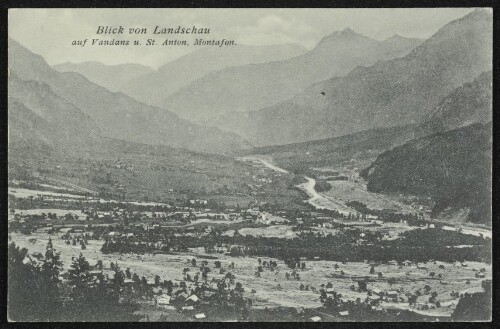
452 167
465 105
111 77
118 115
469 103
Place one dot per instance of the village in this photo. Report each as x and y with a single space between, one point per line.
200 260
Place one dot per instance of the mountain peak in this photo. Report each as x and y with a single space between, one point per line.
395 37
345 34
399 38
348 30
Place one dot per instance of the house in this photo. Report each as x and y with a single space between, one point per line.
315 319
182 296
407 263
164 300
200 316
393 262
377 291
392 294
188 308
208 294
344 313
193 298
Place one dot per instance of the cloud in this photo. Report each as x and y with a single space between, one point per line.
273 29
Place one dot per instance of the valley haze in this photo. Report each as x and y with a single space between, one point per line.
250 165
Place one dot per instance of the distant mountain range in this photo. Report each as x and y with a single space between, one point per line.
112 77
153 87
115 114
392 92
252 87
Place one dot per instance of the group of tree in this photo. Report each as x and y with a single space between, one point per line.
36 291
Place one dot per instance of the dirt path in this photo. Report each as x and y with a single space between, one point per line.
320 201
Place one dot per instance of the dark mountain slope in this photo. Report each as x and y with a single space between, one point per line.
452 167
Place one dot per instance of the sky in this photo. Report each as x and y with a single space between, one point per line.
50 32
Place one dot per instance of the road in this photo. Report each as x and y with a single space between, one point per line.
320 201
266 163
315 199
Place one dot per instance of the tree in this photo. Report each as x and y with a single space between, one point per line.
50 269
78 276
119 278
127 273
157 280
372 270
99 264
32 295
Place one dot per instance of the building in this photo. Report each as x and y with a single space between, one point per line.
392 294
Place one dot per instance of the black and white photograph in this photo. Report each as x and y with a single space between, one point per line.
249 164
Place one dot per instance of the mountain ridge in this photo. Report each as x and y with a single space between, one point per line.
252 87
389 93
152 87
118 115
111 77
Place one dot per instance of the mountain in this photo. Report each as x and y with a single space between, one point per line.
118 115
111 77
453 167
392 92
39 98
48 137
252 87
153 87
363 147
467 104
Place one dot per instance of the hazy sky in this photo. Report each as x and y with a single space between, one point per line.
49 32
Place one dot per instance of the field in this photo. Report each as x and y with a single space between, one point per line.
272 289
345 191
